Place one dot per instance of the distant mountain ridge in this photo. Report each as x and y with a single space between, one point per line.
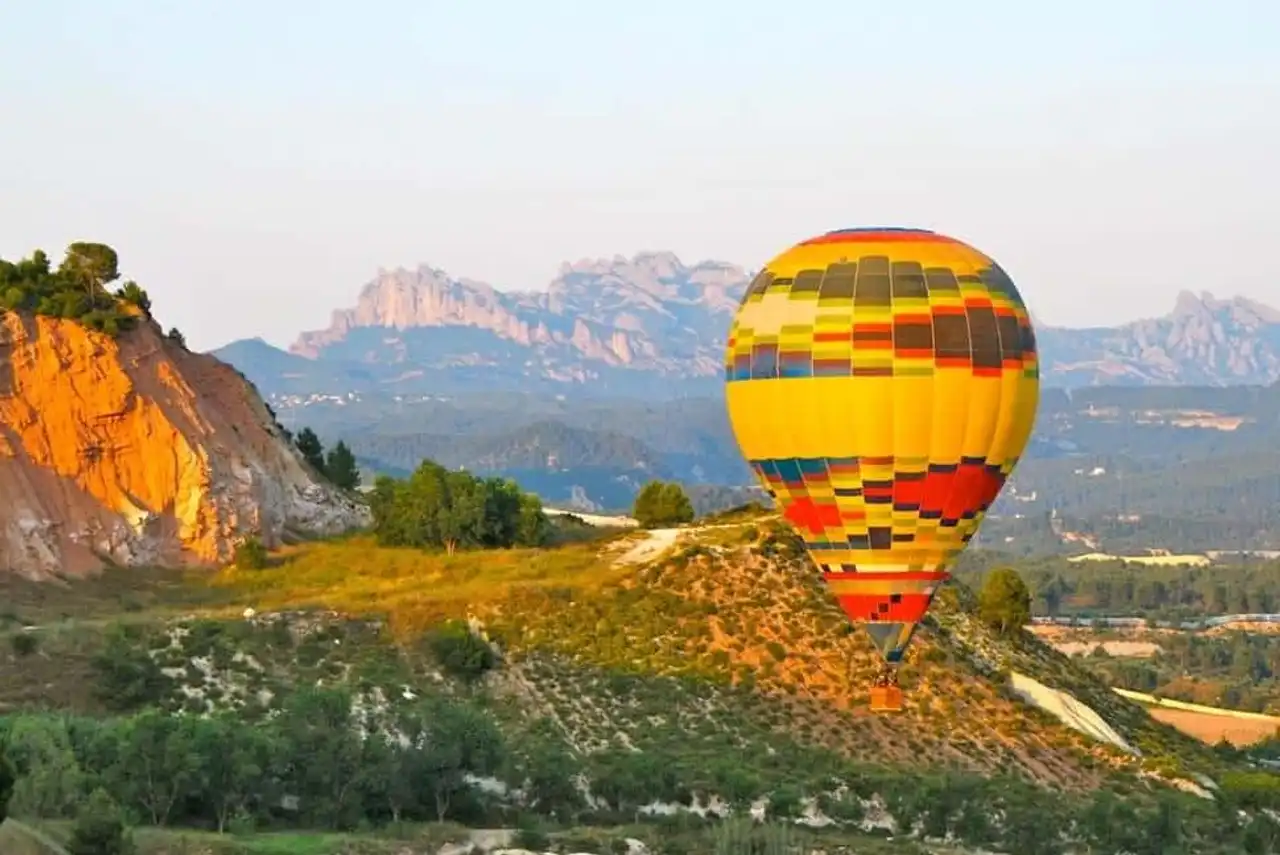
654 326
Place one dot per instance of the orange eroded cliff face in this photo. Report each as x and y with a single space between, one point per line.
138 451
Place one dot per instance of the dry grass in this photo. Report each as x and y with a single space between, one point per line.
414 589
15 840
1212 729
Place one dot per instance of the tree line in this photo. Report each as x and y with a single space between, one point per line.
324 763
1239 670
1102 588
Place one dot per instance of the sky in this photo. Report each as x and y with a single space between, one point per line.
255 163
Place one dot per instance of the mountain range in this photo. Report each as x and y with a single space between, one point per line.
652 326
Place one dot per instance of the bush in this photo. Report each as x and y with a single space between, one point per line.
24 644
250 554
460 652
99 829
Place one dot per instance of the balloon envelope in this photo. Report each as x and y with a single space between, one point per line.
882 384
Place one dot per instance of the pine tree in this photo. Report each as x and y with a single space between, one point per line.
341 467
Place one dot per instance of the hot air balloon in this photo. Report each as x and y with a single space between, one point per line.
882 383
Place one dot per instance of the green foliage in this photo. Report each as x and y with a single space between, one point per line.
7 777
175 335
250 554
660 504
460 652
128 677
436 508
24 644
130 292
76 290
340 467
312 450
99 828
1004 603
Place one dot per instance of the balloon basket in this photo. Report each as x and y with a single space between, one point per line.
886 699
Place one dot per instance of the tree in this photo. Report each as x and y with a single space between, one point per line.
311 448
389 770
318 755
52 784
458 739
532 528
231 759
92 265
7 780
660 504
1004 603
341 467
158 764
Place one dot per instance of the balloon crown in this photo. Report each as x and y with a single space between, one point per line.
880 229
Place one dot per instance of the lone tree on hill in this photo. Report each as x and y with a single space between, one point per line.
1004 603
340 467
661 503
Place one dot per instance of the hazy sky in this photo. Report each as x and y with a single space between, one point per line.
255 163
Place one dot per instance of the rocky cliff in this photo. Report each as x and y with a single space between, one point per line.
135 451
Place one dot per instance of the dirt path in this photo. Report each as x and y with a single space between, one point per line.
655 542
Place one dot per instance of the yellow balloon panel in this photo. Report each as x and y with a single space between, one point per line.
882 383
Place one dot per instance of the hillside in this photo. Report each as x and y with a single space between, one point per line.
1182 468
705 669
655 327
118 445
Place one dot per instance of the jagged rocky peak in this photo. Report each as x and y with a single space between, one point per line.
1241 310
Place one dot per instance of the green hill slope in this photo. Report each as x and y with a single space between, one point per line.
670 673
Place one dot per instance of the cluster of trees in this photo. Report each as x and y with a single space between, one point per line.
662 503
1061 587
310 767
307 767
338 465
76 289
437 508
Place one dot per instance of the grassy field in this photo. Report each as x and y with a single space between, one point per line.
411 839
